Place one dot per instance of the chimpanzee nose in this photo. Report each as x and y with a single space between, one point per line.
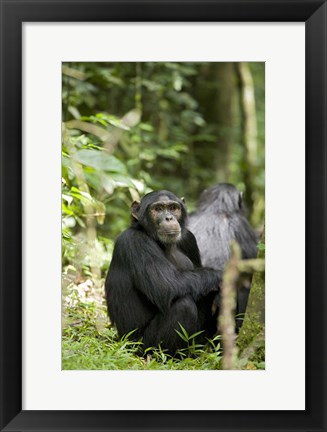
169 218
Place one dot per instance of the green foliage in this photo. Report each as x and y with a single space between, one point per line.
166 147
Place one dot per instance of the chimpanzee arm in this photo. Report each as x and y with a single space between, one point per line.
189 247
155 276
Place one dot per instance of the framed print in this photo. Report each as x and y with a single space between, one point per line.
47 380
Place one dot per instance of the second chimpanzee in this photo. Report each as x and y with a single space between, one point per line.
219 219
155 281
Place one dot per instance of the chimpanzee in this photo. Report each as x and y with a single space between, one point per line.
218 220
155 281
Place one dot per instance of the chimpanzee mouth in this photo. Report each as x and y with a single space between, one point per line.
174 233
171 236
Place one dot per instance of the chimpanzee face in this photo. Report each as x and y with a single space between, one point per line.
166 214
161 214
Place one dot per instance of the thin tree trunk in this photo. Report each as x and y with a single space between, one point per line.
248 127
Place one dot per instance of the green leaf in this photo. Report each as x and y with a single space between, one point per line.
261 246
81 195
67 198
194 335
146 127
181 336
113 120
108 184
67 210
122 181
99 160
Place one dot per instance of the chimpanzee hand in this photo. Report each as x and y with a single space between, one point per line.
209 281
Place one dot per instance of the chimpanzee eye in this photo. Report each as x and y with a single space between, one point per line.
173 207
158 208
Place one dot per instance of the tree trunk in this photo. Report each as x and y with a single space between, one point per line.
216 91
252 334
248 129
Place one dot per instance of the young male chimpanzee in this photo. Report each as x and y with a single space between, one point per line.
218 220
155 281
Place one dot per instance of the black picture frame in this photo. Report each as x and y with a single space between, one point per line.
13 14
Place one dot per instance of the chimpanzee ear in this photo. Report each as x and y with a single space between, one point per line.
183 200
135 209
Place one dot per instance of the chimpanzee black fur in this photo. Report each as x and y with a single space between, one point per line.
155 280
218 220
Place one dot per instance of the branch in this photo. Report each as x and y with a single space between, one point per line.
251 265
228 302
